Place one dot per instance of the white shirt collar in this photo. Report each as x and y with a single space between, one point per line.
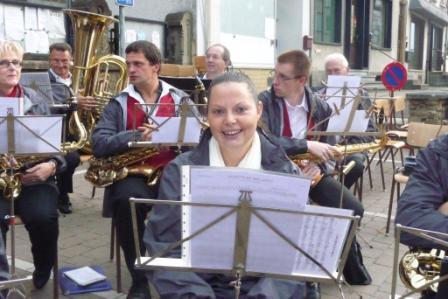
302 105
59 79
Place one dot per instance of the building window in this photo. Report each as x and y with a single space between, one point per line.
382 23
327 21
416 42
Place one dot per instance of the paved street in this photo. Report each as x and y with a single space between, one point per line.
85 240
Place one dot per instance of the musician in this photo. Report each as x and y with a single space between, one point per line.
112 134
232 140
289 111
60 60
424 201
337 64
37 202
217 61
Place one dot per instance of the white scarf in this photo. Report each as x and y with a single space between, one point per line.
251 160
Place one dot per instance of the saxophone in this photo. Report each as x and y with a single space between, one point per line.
342 150
339 152
418 267
102 172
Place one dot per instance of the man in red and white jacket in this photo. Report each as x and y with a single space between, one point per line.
112 134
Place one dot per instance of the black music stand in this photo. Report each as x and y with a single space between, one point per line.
13 125
244 211
187 114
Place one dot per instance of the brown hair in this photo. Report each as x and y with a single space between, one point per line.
148 49
300 61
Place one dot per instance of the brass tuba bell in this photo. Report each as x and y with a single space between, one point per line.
418 267
101 78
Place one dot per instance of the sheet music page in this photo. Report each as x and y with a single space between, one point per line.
169 127
15 103
38 134
214 248
338 122
334 90
323 238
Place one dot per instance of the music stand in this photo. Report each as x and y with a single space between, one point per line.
14 127
181 130
244 211
40 83
432 236
345 99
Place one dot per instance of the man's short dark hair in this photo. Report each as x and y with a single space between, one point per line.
61 47
148 49
300 61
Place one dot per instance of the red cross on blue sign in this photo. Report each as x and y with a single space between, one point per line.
394 76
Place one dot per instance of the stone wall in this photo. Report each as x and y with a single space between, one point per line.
428 107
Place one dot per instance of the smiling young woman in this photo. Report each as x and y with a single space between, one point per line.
232 140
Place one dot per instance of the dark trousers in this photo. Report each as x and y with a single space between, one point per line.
122 190
327 193
65 179
37 207
356 171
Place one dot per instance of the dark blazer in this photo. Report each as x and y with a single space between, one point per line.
425 192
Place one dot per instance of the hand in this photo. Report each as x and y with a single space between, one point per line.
322 150
310 169
146 131
38 173
86 103
444 208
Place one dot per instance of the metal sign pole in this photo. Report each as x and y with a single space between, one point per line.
121 26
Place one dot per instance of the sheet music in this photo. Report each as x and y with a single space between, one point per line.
338 122
334 90
33 134
323 238
211 249
168 130
16 104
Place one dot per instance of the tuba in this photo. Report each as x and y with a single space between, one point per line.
418 267
101 78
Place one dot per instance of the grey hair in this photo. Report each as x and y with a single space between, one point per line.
225 53
235 77
336 57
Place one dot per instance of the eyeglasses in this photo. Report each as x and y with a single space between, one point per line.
15 62
282 77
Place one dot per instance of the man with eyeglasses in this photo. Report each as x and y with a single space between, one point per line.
115 130
36 203
290 110
60 61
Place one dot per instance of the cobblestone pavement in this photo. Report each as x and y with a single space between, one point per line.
85 240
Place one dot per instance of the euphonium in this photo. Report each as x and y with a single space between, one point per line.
104 172
92 76
418 267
